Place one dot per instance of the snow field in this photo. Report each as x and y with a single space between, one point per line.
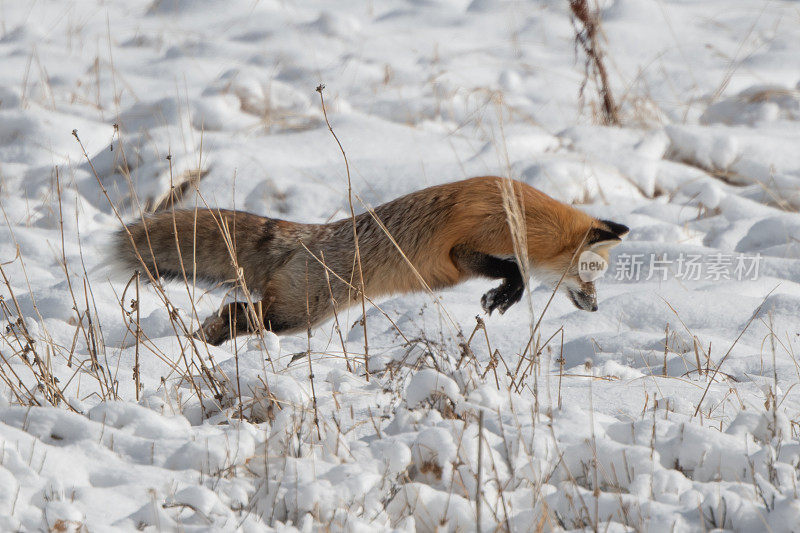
673 408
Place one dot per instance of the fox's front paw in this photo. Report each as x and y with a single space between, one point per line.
215 330
502 297
489 300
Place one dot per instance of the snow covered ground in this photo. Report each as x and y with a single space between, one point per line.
673 408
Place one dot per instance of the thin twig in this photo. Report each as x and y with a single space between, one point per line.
724 357
479 488
320 88
589 40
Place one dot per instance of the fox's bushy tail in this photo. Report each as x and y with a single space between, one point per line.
199 244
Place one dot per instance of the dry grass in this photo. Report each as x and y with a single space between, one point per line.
588 36
357 258
184 183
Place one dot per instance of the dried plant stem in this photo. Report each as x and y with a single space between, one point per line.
320 88
479 484
254 315
593 442
336 314
308 355
697 357
589 39
356 289
91 340
423 283
175 318
561 363
724 357
535 355
136 378
666 349
537 349
42 373
64 264
231 246
255 318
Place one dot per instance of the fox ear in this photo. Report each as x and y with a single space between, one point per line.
620 230
600 238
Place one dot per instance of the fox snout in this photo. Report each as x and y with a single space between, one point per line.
599 240
584 299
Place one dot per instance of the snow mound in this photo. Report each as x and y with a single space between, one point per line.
760 103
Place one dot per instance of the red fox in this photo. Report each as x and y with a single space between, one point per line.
448 233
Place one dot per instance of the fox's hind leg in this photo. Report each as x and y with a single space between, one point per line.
225 324
503 296
235 319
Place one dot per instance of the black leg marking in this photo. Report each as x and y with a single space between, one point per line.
503 296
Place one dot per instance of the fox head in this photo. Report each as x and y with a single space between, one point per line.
581 259
507 217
